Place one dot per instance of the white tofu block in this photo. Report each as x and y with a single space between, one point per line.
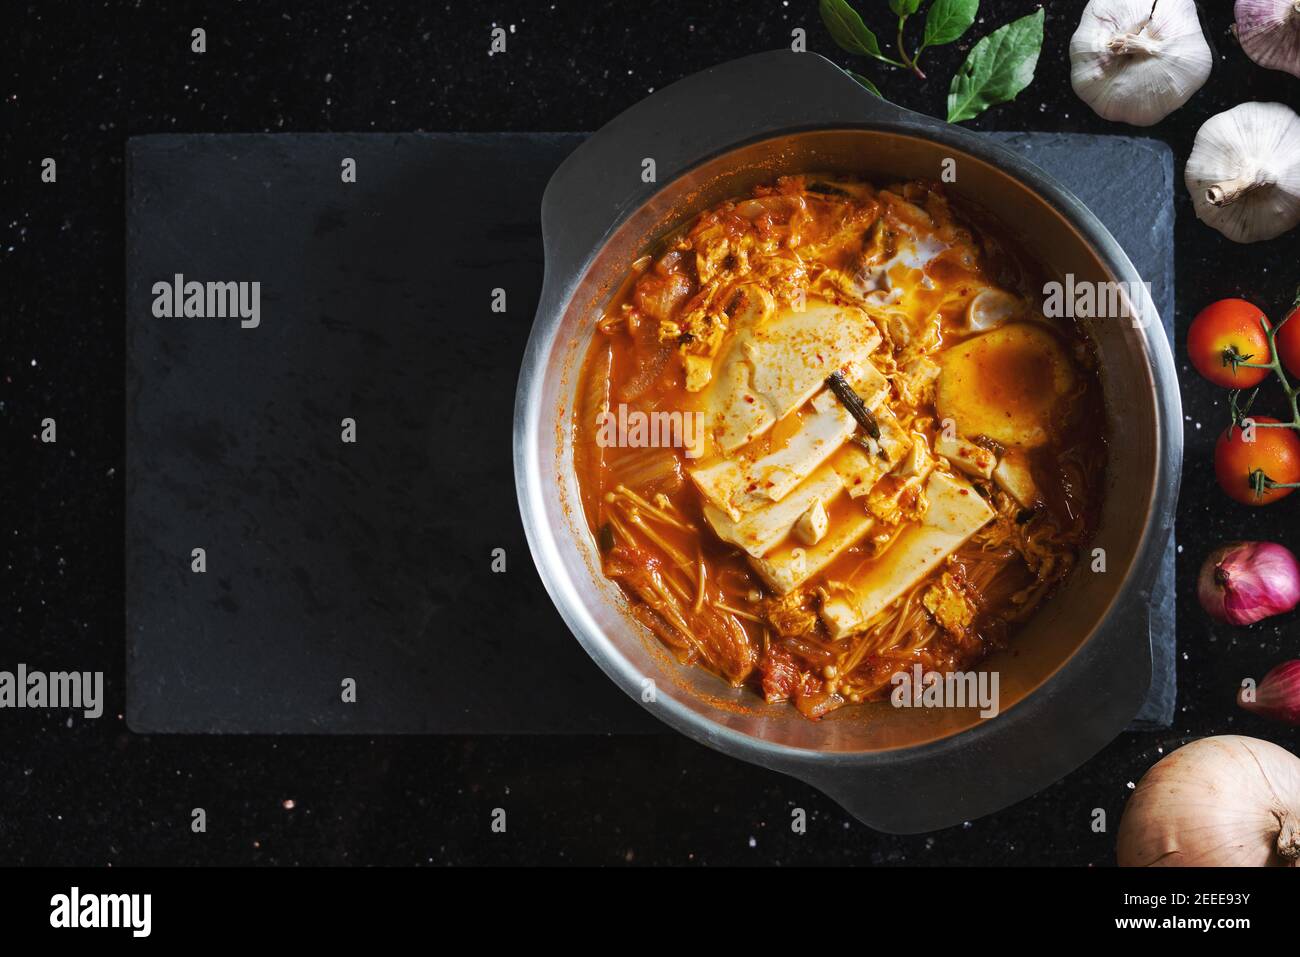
967 456
956 513
1013 475
812 525
740 483
791 564
793 355
738 486
774 363
866 380
760 530
859 469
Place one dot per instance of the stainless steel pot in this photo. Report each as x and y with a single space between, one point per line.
1081 667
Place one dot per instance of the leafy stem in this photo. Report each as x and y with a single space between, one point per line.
997 68
850 33
909 61
945 22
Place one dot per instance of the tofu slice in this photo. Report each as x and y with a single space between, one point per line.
859 469
740 484
791 563
737 485
776 360
812 525
1016 480
760 530
967 456
956 513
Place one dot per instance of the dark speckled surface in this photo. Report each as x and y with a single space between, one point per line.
76 80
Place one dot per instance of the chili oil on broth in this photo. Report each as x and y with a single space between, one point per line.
805 551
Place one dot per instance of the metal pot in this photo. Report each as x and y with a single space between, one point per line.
1079 670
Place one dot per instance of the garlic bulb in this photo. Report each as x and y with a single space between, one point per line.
1269 32
1244 171
1135 62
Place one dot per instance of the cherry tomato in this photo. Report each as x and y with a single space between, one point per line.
1274 452
1287 341
1220 328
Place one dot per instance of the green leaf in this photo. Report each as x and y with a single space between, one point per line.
904 8
847 28
865 82
998 68
947 20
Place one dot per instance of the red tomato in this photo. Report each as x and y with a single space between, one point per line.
1220 328
1275 452
1287 341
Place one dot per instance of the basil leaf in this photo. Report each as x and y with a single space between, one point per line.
865 82
904 8
847 28
947 20
998 68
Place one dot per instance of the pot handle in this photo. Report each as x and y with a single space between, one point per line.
957 779
685 123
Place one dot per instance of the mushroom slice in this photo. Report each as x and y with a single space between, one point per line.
992 308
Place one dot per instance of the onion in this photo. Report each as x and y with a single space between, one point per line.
1278 695
1217 802
1244 582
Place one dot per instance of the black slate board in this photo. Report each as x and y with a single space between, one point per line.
371 561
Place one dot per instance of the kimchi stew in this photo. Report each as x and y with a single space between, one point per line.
825 435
